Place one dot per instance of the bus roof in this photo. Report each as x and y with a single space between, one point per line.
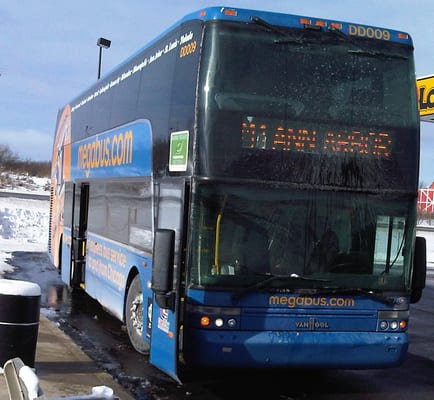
273 18
296 21
288 20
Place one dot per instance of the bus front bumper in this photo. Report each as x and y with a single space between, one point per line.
270 349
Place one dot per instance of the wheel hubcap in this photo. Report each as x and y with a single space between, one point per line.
137 313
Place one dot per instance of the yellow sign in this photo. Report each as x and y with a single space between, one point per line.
425 89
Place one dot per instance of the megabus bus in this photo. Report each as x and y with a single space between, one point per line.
242 192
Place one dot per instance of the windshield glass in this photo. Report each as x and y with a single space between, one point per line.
242 234
307 107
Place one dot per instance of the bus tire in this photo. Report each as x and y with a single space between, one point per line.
134 316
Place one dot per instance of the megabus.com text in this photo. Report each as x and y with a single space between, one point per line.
310 301
108 151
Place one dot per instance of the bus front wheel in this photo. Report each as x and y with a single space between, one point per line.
134 316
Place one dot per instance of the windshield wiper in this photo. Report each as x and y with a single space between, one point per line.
272 28
372 53
361 50
357 291
272 278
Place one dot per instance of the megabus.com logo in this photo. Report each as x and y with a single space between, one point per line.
107 152
125 151
310 301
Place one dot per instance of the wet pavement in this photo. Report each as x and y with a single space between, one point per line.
63 368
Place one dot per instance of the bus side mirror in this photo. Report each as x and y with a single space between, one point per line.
419 269
162 268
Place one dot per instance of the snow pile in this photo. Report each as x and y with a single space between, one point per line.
31 381
23 222
19 288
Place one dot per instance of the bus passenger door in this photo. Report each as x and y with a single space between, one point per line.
79 229
66 239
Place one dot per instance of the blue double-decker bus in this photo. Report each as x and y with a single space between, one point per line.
242 191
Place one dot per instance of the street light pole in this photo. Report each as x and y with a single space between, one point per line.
102 43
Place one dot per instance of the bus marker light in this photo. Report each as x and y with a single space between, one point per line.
205 321
336 25
230 12
401 300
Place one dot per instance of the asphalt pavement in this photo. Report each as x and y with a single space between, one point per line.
63 369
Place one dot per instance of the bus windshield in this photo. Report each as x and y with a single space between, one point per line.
243 233
308 107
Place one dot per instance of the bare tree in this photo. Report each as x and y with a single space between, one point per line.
11 163
6 156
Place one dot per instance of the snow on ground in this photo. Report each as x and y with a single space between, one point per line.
23 222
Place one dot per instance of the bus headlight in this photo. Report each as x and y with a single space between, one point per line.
384 325
392 320
206 322
394 325
232 322
214 317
